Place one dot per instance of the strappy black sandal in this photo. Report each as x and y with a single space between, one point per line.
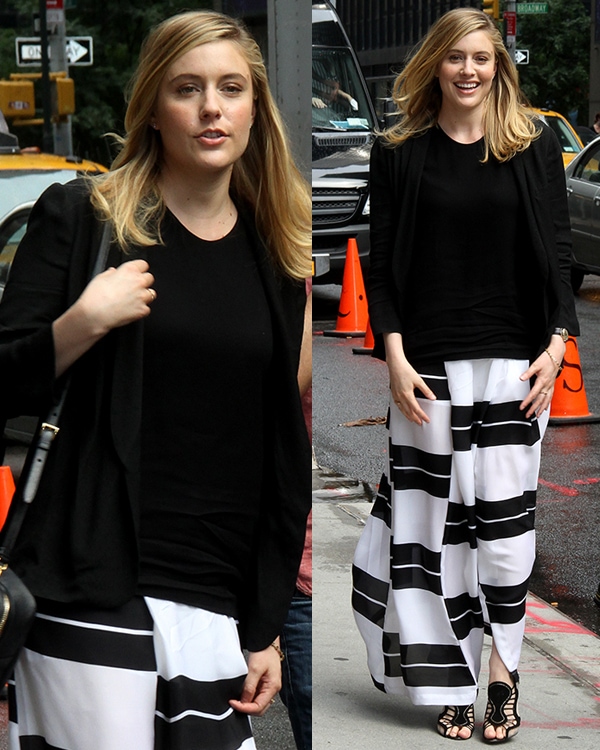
501 711
456 716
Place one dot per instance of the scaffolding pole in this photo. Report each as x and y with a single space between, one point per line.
290 39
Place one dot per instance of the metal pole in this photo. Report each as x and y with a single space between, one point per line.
63 141
511 41
290 37
47 139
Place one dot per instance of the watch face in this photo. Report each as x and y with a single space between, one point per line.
564 334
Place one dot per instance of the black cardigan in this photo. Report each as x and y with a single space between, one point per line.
79 541
394 183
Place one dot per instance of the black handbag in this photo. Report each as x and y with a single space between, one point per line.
17 604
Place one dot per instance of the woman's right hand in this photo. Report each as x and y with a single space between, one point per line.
111 299
118 296
404 379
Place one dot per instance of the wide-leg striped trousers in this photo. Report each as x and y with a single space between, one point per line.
151 675
449 546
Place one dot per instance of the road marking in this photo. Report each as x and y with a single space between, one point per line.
569 491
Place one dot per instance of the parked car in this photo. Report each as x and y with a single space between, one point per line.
583 191
23 178
570 142
586 135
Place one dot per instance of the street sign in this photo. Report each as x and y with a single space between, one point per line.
79 50
532 7
55 12
510 23
522 56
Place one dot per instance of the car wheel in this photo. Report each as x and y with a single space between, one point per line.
576 279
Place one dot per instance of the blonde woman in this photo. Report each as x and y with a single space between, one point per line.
170 520
470 303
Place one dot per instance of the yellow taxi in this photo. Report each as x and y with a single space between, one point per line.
570 142
24 175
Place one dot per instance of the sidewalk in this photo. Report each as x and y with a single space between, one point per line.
560 664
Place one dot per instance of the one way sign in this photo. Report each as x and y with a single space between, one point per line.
79 50
522 56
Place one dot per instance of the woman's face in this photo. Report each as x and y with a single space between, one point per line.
204 109
467 71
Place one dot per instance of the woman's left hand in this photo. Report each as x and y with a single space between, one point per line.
545 371
262 683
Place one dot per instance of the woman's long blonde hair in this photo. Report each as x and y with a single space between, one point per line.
509 125
265 178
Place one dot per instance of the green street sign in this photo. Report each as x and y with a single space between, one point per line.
532 7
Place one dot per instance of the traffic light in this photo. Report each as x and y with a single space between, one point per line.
492 8
17 98
65 96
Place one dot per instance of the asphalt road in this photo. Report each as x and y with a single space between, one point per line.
349 388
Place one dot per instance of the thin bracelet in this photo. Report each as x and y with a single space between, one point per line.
553 358
279 651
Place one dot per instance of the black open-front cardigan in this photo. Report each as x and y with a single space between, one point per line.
79 540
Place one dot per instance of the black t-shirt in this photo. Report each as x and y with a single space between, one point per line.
473 292
207 348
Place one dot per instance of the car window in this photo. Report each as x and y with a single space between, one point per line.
11 233
589 168
567 140
338 98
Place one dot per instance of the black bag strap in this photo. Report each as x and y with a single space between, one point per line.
37 454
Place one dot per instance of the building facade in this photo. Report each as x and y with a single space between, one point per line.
383 33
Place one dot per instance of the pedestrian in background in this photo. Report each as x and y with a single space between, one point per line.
171 517
596 124
296 636
470 303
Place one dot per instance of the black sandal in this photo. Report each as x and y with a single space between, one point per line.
456 716
501 711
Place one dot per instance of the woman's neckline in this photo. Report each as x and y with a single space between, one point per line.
203 239
455 140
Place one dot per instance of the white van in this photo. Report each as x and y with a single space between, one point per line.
343 123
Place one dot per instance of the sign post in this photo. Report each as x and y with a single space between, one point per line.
55 18
47 139
510 25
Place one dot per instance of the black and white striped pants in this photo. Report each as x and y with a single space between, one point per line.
450 544
150 675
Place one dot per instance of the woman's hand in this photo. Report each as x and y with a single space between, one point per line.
110 300
545 370
262 683
118 296
404 379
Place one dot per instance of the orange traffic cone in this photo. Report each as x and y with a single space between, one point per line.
369 345
7 490
352 313
569 402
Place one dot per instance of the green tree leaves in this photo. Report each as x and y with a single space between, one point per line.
559 57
